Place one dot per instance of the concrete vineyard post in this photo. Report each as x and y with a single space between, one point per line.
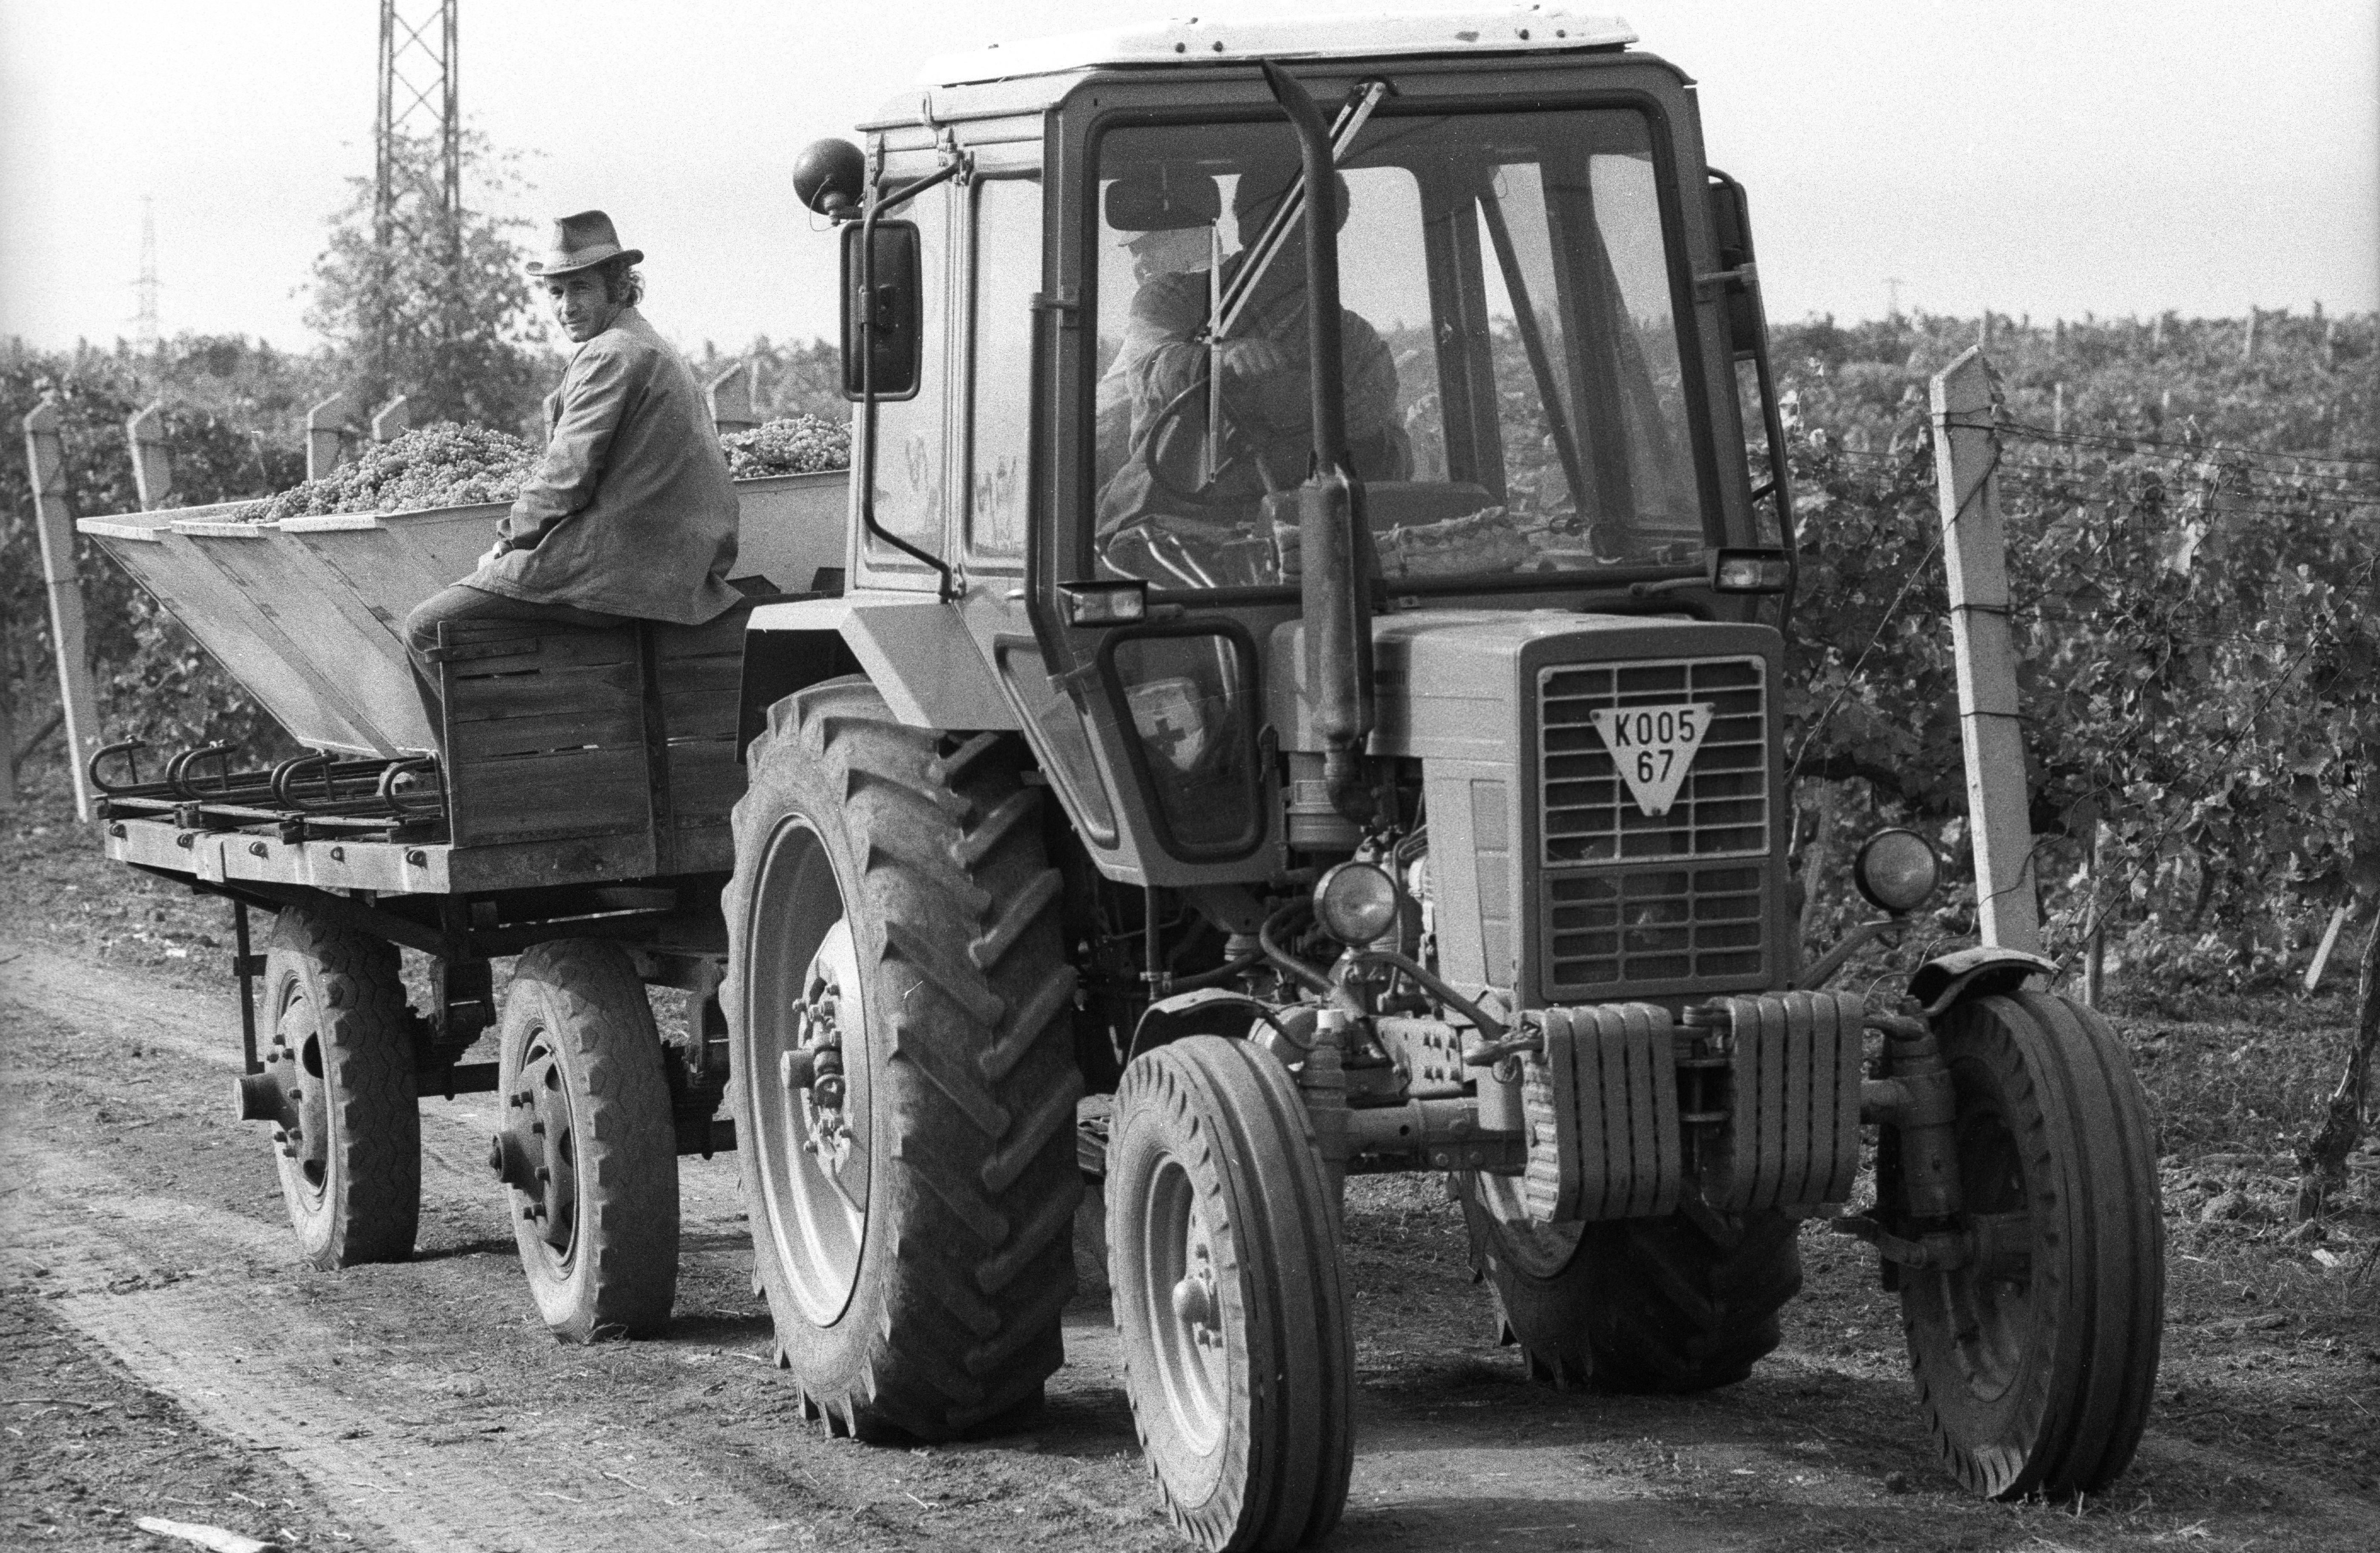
2322 954
391 420
46 462
329 428
731 399
1974 554
153 456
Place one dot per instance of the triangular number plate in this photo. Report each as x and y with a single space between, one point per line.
1653 746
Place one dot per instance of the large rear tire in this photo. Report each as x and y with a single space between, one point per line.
588 1152
912 1197
1224 1259
341 1048
1680 1304
2035 1375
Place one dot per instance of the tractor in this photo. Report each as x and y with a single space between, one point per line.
1307 699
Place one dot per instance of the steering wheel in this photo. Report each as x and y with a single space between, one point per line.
1162 444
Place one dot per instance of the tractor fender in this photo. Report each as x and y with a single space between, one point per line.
1949 979
914 649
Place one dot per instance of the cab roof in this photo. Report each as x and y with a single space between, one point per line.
1204 40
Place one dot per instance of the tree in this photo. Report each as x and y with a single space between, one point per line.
439 311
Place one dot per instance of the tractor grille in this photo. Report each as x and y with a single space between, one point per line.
1629 899
1618 926
1722 808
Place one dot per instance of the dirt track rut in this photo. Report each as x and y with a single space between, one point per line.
424 1400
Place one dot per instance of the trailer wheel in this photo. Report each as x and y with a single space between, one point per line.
341 1049
2036 1372
1684 1303
900 1015
587 1152
1224 1261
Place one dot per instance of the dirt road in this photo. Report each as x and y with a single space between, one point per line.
421 1407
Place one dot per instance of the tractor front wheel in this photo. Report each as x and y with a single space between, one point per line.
2035 1364
1224 1260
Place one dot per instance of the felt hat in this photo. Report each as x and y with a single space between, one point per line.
580 242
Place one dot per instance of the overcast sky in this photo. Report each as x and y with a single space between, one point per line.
2049 157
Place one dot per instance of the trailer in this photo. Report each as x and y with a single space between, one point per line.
580 821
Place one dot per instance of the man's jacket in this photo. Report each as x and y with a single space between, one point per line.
630 512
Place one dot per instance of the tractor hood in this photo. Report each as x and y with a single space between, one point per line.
1455 683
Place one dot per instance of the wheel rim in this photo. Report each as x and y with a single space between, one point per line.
805 992
541 1089
1986 1316
1184 1312
1537 1250
306 1147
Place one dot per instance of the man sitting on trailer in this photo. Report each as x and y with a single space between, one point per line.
629 516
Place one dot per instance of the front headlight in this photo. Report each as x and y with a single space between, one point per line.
1355 902
1897 870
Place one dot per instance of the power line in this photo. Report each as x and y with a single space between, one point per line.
145 288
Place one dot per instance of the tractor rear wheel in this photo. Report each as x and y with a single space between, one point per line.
342 1051
1680 1304
587 1152
900 1015
1224 1259
2035 1369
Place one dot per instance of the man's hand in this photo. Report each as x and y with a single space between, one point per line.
495 554
1258 360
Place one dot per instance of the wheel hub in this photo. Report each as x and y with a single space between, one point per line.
295 1065
813 1078
1185 1313
804 1073
536 1154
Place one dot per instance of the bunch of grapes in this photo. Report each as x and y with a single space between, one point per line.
440 465
799 445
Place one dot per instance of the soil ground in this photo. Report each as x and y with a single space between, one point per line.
162 1352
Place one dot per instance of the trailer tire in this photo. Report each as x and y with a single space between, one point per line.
1229 1296
341 1041
1684 1303
581 1058
912 1201
2042 1388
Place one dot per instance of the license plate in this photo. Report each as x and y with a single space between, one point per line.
1653 746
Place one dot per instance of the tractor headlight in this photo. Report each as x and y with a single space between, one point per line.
1897 870
1355 902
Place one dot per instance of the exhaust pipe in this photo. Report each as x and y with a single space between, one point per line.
1334 541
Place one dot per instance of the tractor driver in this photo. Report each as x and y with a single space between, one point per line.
1267 437
1167 215
630 515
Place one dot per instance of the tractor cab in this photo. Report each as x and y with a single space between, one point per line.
1085 405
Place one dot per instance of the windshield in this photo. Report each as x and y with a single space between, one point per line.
1511 359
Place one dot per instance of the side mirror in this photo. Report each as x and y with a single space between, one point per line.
1732 235
883 311
828 178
